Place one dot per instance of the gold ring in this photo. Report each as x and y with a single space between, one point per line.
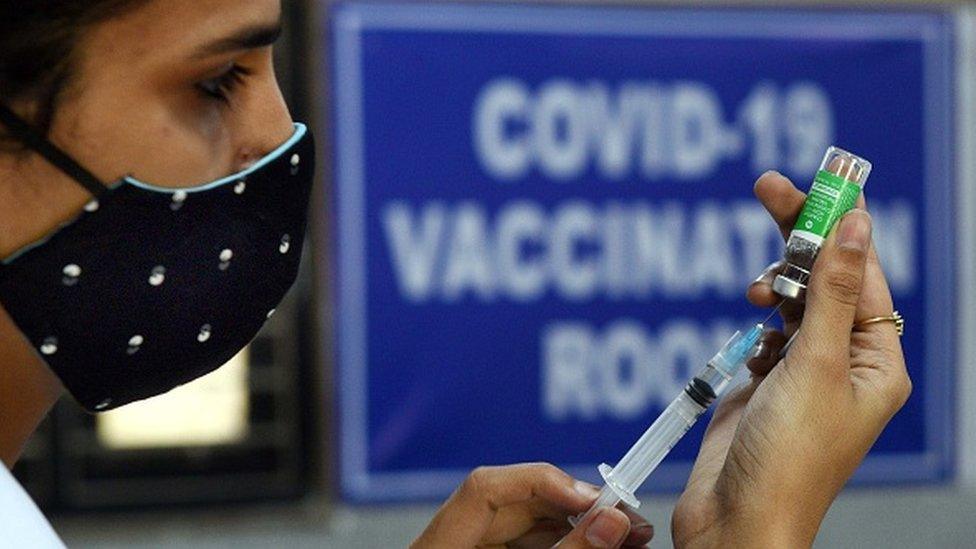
893 317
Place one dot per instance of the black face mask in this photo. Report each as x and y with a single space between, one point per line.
150 287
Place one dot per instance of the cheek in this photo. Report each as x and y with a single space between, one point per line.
180 147
163 144
171 154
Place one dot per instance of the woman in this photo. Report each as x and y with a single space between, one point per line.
108 280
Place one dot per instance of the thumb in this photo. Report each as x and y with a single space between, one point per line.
835 288
605 529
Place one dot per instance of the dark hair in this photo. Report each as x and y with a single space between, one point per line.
37 48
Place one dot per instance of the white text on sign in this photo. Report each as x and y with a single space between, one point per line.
648 129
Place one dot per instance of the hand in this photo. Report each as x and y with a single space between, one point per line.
779 449
527 506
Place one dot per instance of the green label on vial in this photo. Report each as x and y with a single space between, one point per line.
830 197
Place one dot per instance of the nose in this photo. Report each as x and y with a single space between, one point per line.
263 121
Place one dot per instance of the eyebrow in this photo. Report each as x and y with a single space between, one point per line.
244 39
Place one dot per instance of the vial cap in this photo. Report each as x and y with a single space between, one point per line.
789 288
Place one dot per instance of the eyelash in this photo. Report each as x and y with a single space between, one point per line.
221 87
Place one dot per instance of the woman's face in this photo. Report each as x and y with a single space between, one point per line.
174 92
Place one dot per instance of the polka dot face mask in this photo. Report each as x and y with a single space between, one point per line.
150 287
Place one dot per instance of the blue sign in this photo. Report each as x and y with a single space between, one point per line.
545 221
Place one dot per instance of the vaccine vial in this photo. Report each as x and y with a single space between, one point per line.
835 189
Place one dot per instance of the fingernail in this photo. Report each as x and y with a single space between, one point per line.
771 172
602 532
855 230
586 490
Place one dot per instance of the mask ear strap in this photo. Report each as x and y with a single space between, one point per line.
21 130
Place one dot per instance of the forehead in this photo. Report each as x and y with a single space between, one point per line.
162 29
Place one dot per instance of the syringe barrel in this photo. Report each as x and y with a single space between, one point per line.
652 447
644 456
710 382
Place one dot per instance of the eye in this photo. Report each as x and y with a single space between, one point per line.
223 85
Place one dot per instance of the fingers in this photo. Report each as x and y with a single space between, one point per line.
467 515
770 345
608 527
760 293
547 531
514 505
835 290
641 531
543 534
781 199
718 436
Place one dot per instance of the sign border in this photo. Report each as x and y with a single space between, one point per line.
349 20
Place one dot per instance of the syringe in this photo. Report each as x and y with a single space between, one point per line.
651 448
